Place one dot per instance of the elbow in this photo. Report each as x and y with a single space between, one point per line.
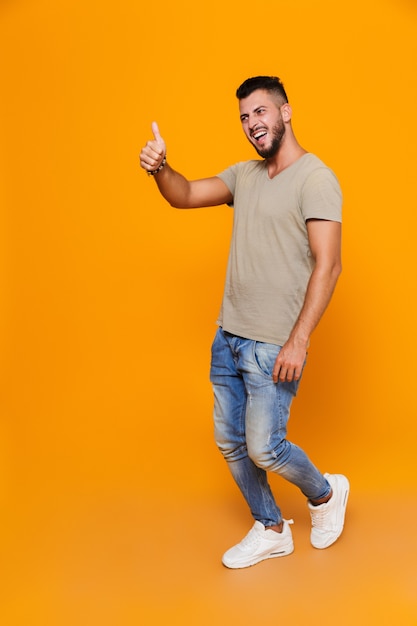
182 202
329 272
336 271
176 203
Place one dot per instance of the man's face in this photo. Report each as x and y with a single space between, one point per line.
262 122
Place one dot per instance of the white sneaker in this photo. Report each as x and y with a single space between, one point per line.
328 519
260 543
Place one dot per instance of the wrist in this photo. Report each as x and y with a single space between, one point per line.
158 169
300 337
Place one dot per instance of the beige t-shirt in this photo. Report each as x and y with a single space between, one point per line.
270 261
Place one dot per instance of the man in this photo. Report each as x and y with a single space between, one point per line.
283 266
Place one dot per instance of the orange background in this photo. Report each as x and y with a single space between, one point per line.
109 296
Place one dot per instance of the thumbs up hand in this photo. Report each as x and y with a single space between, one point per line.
154 152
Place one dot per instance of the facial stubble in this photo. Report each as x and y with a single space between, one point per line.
278 133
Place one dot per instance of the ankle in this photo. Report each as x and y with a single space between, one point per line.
276 527
322 500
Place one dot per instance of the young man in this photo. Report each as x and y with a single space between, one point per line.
283 266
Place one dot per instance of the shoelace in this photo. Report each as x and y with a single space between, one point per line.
251 538
318 517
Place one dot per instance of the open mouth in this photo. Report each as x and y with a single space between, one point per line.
259 135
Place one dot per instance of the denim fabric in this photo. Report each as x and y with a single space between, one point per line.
250 416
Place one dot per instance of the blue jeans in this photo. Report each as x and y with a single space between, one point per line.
250 416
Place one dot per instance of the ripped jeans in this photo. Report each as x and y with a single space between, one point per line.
250 416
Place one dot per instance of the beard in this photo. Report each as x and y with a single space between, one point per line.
278 133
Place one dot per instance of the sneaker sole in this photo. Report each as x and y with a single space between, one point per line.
255 560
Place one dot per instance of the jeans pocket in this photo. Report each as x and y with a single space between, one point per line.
265 355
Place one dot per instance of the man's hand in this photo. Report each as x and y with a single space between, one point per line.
289 362
174 187
153 153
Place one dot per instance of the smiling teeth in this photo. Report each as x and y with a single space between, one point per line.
260 134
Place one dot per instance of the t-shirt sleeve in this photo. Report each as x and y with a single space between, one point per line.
229 177
321 196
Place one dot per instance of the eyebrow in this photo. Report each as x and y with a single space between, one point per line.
259 106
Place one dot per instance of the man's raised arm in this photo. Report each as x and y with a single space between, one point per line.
175 188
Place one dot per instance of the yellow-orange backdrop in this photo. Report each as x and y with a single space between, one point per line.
109 296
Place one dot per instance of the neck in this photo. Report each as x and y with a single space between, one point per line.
288 152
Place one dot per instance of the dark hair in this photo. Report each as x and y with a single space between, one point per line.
268 83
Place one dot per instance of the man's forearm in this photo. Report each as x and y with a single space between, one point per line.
318 295
290 361
174 187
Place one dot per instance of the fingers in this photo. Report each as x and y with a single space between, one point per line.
281 374
154 151
288 368
286 374
277 373
151 156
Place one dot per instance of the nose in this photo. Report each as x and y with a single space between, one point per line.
251 123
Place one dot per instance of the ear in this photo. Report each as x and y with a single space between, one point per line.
286 112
